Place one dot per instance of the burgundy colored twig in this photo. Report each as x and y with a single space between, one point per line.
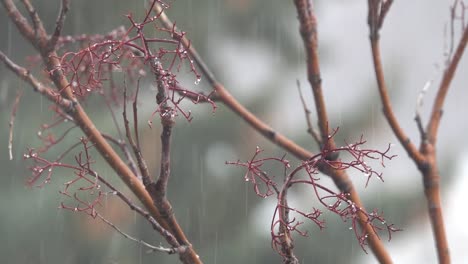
340 178
77 74
284 224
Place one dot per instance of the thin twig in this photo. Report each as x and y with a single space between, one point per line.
308 30
156 226
310 128
135 115
38 26
145 174
12 122
419 104
127 154
64 7
21 22
25 75
139 241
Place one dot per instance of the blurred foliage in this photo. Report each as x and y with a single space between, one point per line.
218 212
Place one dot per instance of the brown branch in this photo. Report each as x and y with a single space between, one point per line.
340 178
52 63
64 7
145 174
20 21
156 226
123 146
47 92
374 22
430 172
431 180
425 158
308 30
158 190
434 121
135 115
113 159
39 30
377 12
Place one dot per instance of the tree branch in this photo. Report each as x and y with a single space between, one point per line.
449 73
340 178
375 22
52 63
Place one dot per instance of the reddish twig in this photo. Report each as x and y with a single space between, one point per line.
57 73
340 178
283 224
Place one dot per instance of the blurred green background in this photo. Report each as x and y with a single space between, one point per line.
254 48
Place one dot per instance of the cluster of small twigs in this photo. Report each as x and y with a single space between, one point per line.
265 184
90 70
133 51
87 189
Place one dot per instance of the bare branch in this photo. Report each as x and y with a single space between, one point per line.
145 174
20 21
340 178
139 241
64 7
54 66
375 22
128 156
308 30
38 26
49 93
449 73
